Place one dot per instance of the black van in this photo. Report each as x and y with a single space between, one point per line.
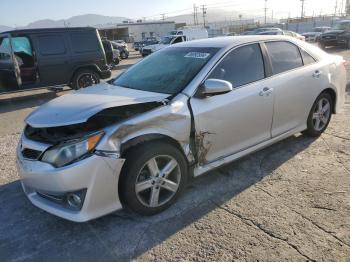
34 58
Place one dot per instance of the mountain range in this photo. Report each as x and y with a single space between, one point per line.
101 20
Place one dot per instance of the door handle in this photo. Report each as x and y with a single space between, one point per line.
266 91
316 74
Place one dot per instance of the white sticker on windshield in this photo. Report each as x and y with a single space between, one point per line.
197 55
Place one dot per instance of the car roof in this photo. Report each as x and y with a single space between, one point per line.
231 41
48 30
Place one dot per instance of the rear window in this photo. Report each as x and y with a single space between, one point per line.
84 42
284 56
51 45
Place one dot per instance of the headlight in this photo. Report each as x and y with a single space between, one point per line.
69 152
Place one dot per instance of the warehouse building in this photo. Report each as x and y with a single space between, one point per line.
133 32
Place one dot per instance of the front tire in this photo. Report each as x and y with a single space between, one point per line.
124 55
319 116
154 175
84 78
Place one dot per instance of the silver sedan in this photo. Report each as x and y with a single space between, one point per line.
181 112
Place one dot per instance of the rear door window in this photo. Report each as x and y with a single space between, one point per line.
242 66
284 56
84 42
51 45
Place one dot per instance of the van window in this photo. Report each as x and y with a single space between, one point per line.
84 42
284 56
5 49
242 66
51 45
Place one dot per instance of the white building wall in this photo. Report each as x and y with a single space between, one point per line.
138 31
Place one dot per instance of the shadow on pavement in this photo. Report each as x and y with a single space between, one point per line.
27 233
18 103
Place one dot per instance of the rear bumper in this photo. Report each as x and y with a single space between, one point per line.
97 176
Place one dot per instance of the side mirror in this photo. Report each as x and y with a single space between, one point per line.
212 87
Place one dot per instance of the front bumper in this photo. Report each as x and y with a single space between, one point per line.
97 175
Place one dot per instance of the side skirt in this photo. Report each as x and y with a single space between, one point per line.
200 170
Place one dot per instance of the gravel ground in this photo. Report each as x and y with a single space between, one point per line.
288 202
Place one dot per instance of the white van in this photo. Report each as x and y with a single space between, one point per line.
177 36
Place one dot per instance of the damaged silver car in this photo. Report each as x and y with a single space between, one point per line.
181 112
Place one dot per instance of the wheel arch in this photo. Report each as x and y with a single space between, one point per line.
89 67
146 138
333 95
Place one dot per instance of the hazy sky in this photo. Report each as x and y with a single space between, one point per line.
22 12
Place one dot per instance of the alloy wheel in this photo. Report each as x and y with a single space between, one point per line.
86 80
158 181
321 114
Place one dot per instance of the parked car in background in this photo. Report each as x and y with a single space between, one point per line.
266 29
294 34
315 33
121 42
34 58
180 113
148 41
108 48
283 32
339 35
123 49
177 36
248 33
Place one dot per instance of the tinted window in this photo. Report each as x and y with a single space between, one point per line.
178 40
242 66
5 49
51 45
284 56
84 42
308 59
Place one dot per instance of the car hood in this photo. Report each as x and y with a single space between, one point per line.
79 106
333 32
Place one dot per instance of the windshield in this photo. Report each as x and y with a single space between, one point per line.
166 40
167 71
342 26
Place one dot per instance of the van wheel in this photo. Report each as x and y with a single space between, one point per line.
319 116
153 177
84 78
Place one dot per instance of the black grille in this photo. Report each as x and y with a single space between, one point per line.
31 153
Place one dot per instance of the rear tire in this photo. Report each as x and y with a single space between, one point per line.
139 168
84 78
319 116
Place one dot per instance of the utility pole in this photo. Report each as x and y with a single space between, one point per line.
265 11
302 8
163 17
204 13
195 14
335 7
